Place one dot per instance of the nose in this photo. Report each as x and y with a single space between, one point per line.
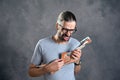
68 33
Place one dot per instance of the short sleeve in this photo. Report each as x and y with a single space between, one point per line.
37 55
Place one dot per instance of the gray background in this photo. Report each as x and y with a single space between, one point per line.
24 22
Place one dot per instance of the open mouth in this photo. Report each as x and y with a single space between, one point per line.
66 38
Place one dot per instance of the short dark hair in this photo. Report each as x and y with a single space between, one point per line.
66 16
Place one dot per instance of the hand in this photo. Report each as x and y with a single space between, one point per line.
76 55
54 66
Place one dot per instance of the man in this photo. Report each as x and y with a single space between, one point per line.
46 59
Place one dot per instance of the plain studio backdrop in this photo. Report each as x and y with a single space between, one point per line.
24 22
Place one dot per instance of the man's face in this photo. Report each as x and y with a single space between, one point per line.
68 27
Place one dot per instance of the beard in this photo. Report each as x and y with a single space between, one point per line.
64 37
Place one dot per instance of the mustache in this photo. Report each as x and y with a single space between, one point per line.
66 35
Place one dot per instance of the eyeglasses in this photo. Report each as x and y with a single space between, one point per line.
68 30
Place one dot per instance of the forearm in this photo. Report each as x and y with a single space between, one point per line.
77 68
37 71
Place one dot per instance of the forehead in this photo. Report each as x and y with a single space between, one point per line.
69 24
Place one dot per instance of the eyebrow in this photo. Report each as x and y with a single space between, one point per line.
68 29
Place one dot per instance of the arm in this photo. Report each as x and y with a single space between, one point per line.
77 67
75 57
35 71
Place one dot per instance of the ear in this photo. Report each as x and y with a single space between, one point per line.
57 26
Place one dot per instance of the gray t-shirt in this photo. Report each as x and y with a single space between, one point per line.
47 50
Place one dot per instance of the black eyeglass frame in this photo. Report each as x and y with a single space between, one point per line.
67 30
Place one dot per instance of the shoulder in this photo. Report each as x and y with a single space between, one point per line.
44 41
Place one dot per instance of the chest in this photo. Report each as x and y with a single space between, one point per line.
52 52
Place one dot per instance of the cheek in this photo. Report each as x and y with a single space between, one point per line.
61 33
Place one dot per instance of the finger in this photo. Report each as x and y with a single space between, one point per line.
74 57
58 60
78 50
52 72
76 54
61 63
